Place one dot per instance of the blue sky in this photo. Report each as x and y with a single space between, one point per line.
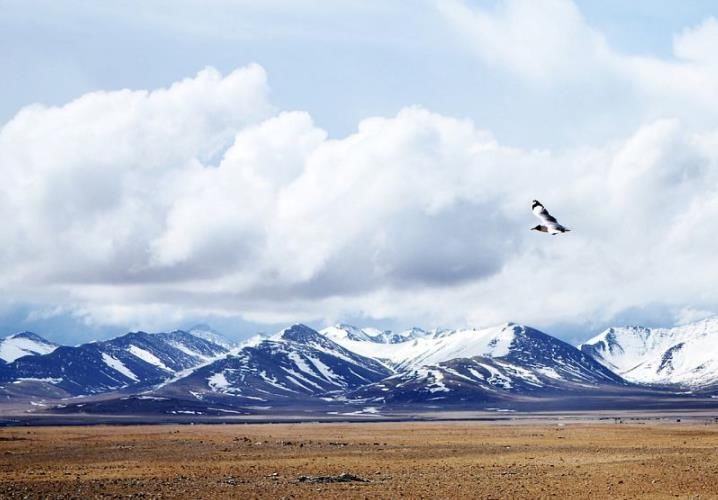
367 58
617 84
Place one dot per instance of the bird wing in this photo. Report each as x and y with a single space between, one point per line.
541 212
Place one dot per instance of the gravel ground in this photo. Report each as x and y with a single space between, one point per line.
380 460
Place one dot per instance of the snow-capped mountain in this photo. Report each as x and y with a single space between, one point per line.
348 333
685 355
520 345
300 368
341 333
135 359
24 344
468 367
499 362
208 333
296 363
477 379
414 348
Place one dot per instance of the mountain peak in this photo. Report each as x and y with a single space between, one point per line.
24 344
299 333
352 332
30 336
641 354
206 332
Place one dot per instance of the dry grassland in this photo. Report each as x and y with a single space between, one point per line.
395 460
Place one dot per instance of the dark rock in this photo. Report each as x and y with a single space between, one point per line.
341 478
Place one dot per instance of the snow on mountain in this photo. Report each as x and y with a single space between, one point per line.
685 355
296 363
523 345
415 347
389 337
207 333
135 359
24 344
347 333
547 355
475 380
342 332
497 362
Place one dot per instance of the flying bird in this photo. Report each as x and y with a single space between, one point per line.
550 224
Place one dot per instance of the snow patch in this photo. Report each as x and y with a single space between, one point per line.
218 382
548 372
148 357
16 346
48 380
119 366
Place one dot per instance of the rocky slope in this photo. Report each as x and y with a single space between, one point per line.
683 356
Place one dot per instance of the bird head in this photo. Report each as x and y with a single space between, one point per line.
538 227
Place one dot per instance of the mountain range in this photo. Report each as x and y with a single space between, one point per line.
684 356
346 367
297 363
132 361
498 362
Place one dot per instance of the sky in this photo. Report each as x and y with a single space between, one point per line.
248 166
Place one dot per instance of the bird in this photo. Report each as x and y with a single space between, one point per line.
550 224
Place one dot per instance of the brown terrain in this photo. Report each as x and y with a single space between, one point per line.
382 460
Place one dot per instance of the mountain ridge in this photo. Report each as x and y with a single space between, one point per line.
296 363
685 355
299 367
22 344
133 359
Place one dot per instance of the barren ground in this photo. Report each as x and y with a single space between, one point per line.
409 460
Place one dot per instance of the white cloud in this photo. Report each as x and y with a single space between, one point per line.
698 43
86 184
688 315
550 44
146 208
542 41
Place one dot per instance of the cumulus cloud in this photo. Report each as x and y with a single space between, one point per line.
85 184
542 41
152 207
550 44
697 43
